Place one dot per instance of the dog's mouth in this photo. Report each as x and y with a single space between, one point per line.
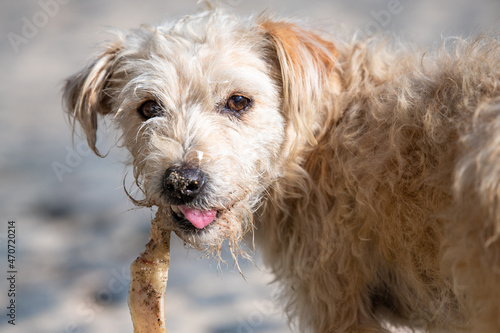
193 220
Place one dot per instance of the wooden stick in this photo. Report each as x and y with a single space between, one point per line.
149 273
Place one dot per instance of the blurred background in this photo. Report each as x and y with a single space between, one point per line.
76 232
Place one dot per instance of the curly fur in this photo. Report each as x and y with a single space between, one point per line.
370 169
406 180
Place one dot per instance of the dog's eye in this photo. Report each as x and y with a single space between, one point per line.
238 103
150 109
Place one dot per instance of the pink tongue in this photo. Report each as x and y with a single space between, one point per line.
200 219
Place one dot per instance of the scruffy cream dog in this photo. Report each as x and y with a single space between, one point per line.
370 171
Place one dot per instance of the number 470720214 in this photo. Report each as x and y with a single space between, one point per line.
11 244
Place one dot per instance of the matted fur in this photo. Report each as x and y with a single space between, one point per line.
370 170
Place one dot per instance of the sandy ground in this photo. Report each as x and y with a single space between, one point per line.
76 233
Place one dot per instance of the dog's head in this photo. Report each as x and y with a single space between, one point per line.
213 110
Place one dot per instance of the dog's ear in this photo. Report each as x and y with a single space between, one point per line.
85 95
308 72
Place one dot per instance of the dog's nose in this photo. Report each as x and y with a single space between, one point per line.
182 184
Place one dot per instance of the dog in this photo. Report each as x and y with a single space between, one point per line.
368 171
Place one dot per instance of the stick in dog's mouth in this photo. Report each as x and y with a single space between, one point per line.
149 273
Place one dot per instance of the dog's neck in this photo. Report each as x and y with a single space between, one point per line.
307 168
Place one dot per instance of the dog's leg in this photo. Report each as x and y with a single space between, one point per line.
472 248
473 259
335 304
149 280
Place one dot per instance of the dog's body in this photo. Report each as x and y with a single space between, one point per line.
372 175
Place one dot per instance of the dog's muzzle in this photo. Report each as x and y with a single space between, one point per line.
181 186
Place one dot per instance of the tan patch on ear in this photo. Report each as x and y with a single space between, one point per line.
295 41
309 77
